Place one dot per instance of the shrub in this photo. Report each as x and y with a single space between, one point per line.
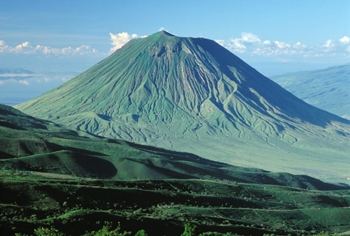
217 234
141 232
42 231
189 230
107 230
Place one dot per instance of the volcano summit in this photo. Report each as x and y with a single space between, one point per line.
191 94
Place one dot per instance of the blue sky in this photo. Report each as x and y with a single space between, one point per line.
275 36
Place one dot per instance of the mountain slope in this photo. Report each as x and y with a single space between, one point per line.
40 160
191 94
30 144
328 88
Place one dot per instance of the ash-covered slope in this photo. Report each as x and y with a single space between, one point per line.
191 94
30 144
328 88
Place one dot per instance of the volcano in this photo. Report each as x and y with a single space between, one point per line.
193 95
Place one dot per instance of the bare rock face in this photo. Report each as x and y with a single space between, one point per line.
191 94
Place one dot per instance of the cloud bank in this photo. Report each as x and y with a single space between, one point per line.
32 79
246 43
252 44
27 48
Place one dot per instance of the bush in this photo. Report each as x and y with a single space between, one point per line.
217 234
107 230
42 231
141 232
189 230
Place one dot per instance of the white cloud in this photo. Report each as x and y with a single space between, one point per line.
22 46
299 45
237 45
3 46
15 75
120 39
31 80
80 50
252 44
267 42
328 46
27 48
220 41
23 82
240 44
345 40
281 45
249 38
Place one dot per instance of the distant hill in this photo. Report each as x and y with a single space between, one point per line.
328 89
15 74
15 71
193 95
31 144
19 85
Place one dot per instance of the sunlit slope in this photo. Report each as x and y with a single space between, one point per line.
30 144
191 94
328 88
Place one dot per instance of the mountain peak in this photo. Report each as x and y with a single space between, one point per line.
163 32
162 37
188 94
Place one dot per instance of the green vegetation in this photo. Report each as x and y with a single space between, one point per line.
192 95
54 181
78 206
47 232
189 230
108 230
141 232
30 144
